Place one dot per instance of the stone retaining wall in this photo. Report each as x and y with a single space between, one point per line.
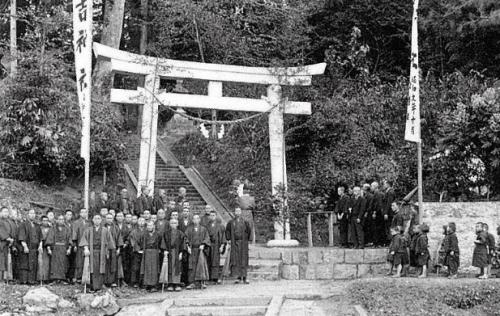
465 215
331 263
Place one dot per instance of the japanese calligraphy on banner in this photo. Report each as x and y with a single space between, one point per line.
82 43
412 131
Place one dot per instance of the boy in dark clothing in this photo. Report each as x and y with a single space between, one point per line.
422 250
450 247
397 250
491 247
480 255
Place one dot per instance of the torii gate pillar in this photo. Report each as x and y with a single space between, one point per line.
147 160
278 163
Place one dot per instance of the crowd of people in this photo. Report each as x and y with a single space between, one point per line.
125 243
411 250
366 213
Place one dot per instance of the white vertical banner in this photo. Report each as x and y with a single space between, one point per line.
412 131
82 44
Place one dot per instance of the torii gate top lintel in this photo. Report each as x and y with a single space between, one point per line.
127 62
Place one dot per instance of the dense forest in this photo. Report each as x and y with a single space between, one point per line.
355 133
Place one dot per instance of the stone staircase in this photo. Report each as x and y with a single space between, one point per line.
220 306
171 178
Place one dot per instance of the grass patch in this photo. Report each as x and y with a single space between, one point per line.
434 296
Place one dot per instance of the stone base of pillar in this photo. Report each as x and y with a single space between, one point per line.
285 243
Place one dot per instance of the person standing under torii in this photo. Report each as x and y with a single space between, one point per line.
30 238
238 233
143 202
216 231
197 241
97 242
173 245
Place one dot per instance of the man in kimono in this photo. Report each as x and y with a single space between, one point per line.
124 255
14 223
160 201
6 240
216 231
135 239
238 232
44 265
184 223
357 209
150 266
161 222
30 238
111 275
97 243
124 203
143 202
68 222
174 244
205 219
172 206
102 202
79 228
58 244
197 241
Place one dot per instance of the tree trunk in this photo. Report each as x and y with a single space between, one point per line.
13 38
111 36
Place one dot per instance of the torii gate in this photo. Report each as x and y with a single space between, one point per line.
155 68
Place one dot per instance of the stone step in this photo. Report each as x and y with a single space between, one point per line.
262 265
223 301
263 276
218 311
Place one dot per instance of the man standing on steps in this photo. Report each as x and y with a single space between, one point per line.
216 231
238 233
160 201
143 202
124 203
197 241
205 219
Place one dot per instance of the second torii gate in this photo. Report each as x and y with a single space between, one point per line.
156 68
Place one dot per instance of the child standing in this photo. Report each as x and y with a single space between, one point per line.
491 247
452 259
441 252
413 243
398 250
480 255
422 250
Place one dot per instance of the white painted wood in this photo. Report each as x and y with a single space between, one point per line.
277 147
169 71
214 90
111 53
207 102
147 158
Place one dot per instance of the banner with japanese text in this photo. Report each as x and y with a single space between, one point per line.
412 131
82 43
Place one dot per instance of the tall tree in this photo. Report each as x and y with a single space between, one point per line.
111 36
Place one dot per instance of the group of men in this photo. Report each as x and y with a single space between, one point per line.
364 214
124 246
